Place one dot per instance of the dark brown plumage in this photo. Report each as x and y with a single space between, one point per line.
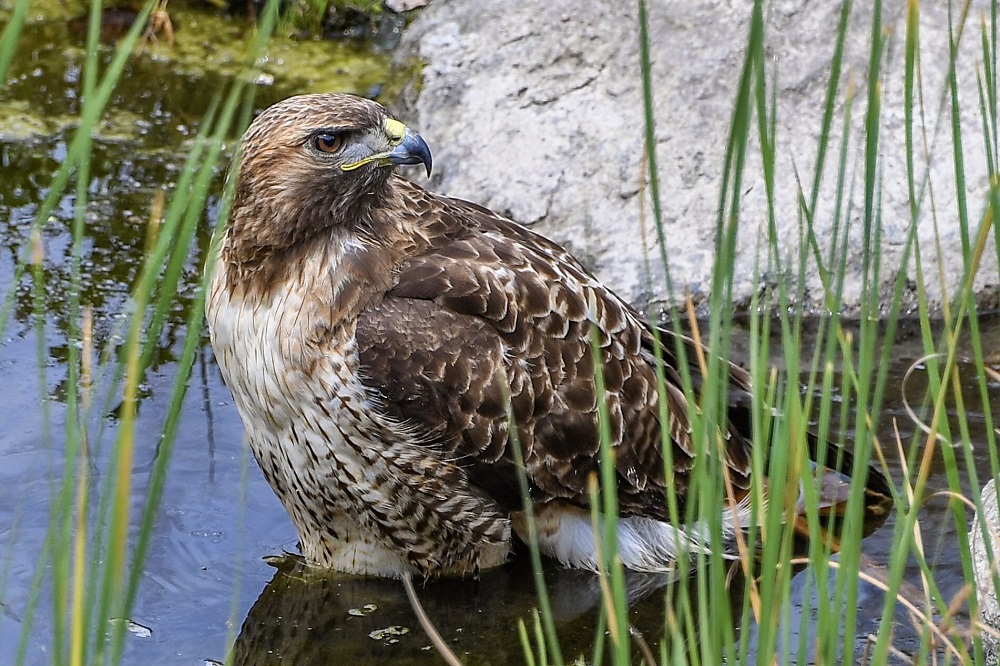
371 333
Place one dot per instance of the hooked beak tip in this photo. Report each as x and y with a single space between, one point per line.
412 150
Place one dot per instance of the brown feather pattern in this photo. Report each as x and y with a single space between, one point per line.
403 320
490 301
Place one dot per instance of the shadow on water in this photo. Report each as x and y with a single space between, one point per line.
303 617
206 569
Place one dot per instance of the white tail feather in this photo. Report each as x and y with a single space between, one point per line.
566 533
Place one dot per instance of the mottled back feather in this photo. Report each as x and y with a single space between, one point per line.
387 346
488 301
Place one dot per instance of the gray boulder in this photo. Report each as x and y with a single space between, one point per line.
985 571
534 108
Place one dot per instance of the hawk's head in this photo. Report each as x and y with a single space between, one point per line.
312 162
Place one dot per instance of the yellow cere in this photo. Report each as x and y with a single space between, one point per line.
395 131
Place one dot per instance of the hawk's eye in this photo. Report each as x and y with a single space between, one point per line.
328 142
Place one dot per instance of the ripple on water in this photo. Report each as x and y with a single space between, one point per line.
205 574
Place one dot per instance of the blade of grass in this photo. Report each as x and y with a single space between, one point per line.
8 39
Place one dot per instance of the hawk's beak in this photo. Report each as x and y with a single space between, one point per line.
407 148
411 150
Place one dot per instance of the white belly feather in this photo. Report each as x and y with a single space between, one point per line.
304 413
301 411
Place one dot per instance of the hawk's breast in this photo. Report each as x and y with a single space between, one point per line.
364 491
300 409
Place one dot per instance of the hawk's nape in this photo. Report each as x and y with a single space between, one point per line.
386 347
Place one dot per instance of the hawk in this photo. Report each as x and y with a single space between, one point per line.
387 348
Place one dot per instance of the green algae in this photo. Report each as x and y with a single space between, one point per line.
167 86
206 43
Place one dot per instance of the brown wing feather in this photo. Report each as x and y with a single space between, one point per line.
487 300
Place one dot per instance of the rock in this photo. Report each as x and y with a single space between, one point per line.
534 108
400 6
989 609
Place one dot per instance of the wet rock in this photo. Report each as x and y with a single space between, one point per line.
534 108
115 24
366 21
989 609
400 6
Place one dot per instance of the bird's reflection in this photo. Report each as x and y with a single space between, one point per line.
304 616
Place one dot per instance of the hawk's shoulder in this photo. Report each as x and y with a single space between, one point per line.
489 311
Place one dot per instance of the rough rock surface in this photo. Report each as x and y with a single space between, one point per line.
534 108
989 609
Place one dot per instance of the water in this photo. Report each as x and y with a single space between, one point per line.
210 576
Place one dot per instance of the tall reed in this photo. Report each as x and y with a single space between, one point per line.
848 365
98 533
99 527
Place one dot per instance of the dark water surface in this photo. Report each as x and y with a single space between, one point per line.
206 581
